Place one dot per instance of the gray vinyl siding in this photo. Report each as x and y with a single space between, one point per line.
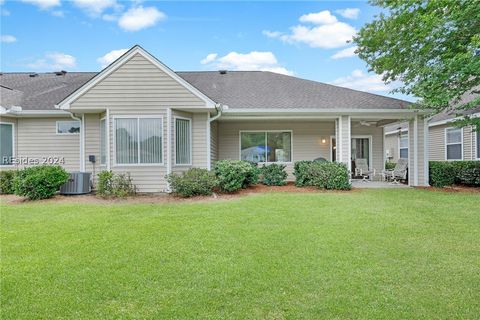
306 138
213 141
182 114
377 142
391 144
199 140
92 143
37 138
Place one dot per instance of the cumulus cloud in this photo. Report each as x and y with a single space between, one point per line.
111 56
95 7
140 17
7 38
362 81
349 13
326 32
53 61
209 58
252 61
322 17
43 4
345 53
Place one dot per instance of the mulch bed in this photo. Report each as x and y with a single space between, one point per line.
452 189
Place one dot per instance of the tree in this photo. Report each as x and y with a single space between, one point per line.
431 47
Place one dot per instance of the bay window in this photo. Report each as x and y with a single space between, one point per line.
266 146
453 143
138 141
182 141
6 144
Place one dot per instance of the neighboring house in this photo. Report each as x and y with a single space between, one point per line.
139 116
446 142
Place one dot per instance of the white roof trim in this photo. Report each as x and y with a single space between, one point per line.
319 110
65 103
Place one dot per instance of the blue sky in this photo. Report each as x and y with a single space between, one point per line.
305 39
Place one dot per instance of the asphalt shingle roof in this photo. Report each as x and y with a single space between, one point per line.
237 89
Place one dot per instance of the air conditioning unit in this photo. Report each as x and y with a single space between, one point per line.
78 183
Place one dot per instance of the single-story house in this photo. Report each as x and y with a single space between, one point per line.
139 116
446 141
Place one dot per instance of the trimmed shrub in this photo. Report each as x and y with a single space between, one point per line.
193 182
445 173
233 175
390 165
323 175
6 181
115 185
274 174
39 182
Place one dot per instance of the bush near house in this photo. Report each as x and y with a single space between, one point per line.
445 173
323 175
6 181
233 175
390 165
274 174
116 185
193 182
39 182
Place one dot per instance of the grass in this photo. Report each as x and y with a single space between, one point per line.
373 254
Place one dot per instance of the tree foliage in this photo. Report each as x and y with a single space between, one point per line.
432 47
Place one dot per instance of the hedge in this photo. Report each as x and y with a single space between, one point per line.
274 174
193 182
323 175
233 175
447 173
39 182
6 181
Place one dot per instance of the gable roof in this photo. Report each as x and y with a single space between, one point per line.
65 103
263 89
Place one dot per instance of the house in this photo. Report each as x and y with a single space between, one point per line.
446 142
139 116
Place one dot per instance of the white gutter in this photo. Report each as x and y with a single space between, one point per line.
209 140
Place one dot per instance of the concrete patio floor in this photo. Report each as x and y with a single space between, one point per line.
359 184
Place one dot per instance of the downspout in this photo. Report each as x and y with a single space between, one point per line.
82 139
209 128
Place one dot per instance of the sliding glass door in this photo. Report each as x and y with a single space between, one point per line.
361 149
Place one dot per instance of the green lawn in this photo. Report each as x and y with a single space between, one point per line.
376 254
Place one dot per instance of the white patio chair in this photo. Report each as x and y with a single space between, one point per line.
362 169
398 173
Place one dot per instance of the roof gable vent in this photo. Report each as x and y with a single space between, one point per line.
61 73
222 71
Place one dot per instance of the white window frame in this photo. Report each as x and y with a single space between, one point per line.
13 145
404 132
68 133
447 144
106 141
191 141
266 131
138 164
370 147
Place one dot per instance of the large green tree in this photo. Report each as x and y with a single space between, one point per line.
431 47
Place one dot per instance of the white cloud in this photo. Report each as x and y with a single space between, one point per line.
327 32
54 61
110 57
362 81
345 53
7 38
252 61
43 4
209 58
139 18
349 13
58 13
95 8
322 17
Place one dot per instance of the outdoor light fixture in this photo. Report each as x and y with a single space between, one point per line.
324 141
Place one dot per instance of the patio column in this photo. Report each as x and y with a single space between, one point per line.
418 151
343 138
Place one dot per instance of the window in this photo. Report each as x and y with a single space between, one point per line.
182 141
453 143
103 141
6 144
266 146
68 127
403 146
138 141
